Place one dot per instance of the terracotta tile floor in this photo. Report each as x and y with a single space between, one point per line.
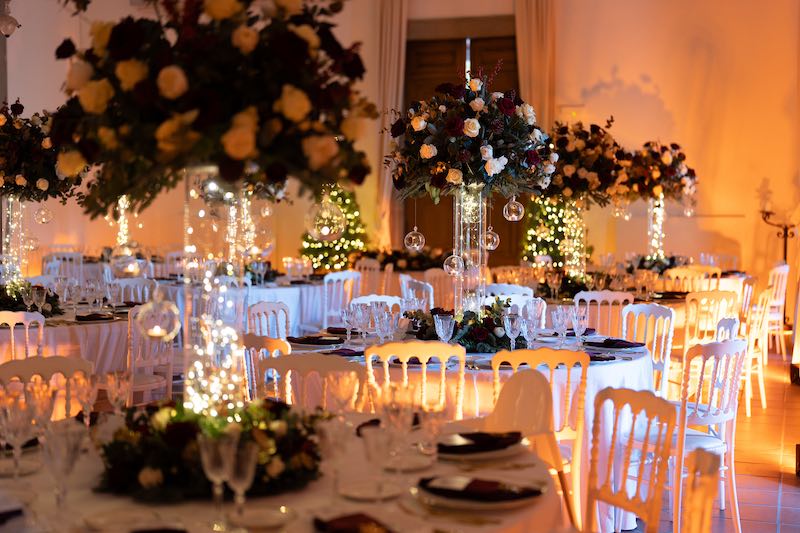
769 491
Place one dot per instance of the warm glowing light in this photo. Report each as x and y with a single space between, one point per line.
655 228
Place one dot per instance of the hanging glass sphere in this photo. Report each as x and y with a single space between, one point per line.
513 211
267 243
43 215
159 319
454 265
266 210
124 262
491 240
31 243
414 241
326 221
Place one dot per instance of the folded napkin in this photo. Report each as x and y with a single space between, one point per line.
5 516
93 317
571 332
314 340
613 343
482 490
335 330
477 442
345 352
298 282
351 523
733 273
411 361
601 357
667 295
375 422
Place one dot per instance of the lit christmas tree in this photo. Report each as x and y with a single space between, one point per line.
555 228
333 255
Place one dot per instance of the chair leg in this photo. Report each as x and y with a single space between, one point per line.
782 342
575 485
731 482
722 478
676 493
748 385
562 479
760 375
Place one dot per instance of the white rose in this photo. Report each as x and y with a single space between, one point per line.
320 150
80 72
293 103
543 182
499 332
472 127
172 82
497 96
455 176
42 184
475 84
419 123
495 165
427 151
245 39
477 105
94 96
553 157
20 180
442 108
569 170
666 158
526 112
537 135
487 152
549 169
275 467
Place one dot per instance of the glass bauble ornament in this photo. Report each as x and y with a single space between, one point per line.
491 240
414 241
513 211
454 265
159 319
43 215
266 210
31 243
124 262
326 221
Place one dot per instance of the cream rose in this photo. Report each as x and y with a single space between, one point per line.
161 418
569 170
94 96
222 9
472 127
537 135
70 163
245 39
20 180
80 72
353 127
495 165
566 192
101 33
294 104
455 176
419 123
129 73
292 7
427 151
308 34
477 105
246 119
107 137
320 150
172 82
42 184
580 144
150 477
554 157
666 158
658 190
549 169
526 113
275 467
174 135
475 84
487 152
239 142
497 96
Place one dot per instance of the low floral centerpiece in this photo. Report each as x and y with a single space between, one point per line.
11 299
404 260
154 456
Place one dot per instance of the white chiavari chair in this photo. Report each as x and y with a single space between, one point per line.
711 275
727 328
338 289
264 319
506 289
514 301
149 362
423 351
443 287
627 409
757 351
778 278
257 347
686 279
137 290
700 491
174 262
12 319
48 282
51 267
70 264
386 278
569 403
370 270
412 288
47 367
704 310
654 325
604 309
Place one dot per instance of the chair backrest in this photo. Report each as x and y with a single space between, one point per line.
443 287
506 289
386 279
257 347
628 410
700 491
370 270
746 299
146 354
778 278
45 281
604 309
70 264
264 319
727 328
174 262
423 351
14 318
51 267
46 368
338 289
711 274
654 325
515 301
412 288
757 326
506 274
137 290
704 310
689 279
391 301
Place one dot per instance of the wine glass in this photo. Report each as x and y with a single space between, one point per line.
16 423
433 414
444 325
217 457
342 389
384 325
333 438
534 310
114 291
530 328
62 446
560 324
41 397
377 443
600 280
553 279
26 293
580 320
346 314
362 317
118 390
512 323
39 296
85 390
242 472
589 281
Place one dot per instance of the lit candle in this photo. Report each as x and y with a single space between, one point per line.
156 332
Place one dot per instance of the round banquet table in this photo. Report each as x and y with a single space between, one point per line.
315 500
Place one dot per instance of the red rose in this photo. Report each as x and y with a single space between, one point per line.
398 128
480 334
532 157
506 106
454 126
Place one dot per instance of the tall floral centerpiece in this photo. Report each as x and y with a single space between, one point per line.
27 175
656 173
229 97
470 142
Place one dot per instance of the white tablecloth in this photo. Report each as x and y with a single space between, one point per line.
314 500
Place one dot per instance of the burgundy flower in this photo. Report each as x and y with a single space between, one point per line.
464 156
358 173
497 126
66 49
458 91
276 173
398 128
444 88
506 106
17 108
231 170
126 39
439 179
454 126
480 333
532 157
351 64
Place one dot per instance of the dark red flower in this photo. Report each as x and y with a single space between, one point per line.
454 126
358 173
439 179
398 128
532 157
126 39
497 126
231 170
66 49
351 64
17 108
464 156
276 173
480 334
506 106
444 88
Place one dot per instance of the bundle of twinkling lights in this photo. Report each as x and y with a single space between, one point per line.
556 229
333 255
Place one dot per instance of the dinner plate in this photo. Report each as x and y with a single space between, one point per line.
366 491
440 502
27 466
126 519
296 346
600 349
511 451
257 518
411 462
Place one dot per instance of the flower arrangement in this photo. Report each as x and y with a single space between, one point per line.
657 169
403 259
154 456
261 90
11 299
28 160
466 135
586 166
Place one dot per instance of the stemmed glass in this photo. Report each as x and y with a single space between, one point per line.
39 297
377 443
384 325
600 280
114 291
26 292
580 320
433 415
512 323
62 446
534 310
259 268
589 280
362 317
444 325
530 328
16 423
560 324
118 390
347 316
217 457
242 472
85 390
41 397
553 279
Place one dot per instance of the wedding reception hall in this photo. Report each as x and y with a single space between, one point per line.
372 266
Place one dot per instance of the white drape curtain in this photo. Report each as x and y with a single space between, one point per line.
391 76
535 27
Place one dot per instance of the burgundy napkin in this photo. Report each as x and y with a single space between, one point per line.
93 317
314 341
670 295
374 422
733 273
351 523
480 441
614 343
571 332
601 358
337 330
5 516
411 361
483 490
345 352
